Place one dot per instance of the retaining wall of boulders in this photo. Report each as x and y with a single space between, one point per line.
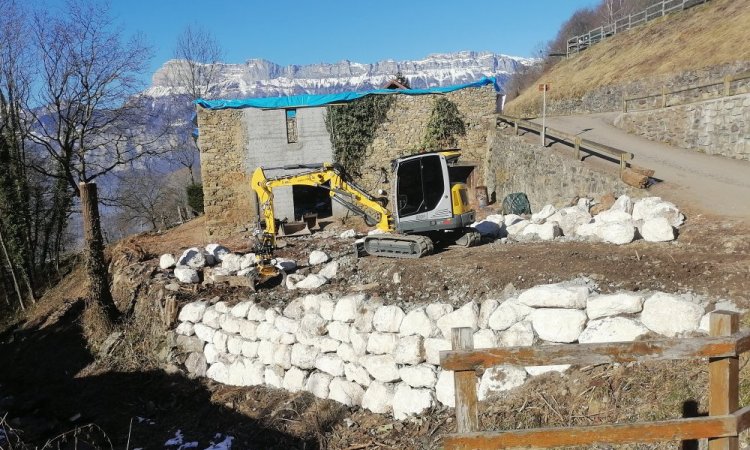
385 358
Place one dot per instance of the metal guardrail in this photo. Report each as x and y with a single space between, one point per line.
582 42
576 142
662 100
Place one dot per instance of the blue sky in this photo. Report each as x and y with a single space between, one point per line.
313 31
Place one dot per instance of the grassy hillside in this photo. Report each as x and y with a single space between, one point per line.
706 35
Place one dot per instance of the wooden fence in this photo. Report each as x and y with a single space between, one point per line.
576 142
728 86
722 426
584 41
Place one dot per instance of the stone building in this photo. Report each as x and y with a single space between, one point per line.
237 136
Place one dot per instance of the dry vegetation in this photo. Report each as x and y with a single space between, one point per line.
706 35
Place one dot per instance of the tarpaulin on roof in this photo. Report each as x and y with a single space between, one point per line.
306 101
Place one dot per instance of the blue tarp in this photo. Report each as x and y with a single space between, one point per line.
303 101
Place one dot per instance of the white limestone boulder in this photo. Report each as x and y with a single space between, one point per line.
657 229
232 262
486 308
485 339
507 314
382 343
249 349
292 279
364 320
520 334
570 218
409 350
388 319
408 401
618 233
330 270
381 367
217 251
653 207
240 310
317 257
318 383
286 325
326 344
614 305
211 317
500 379
535 371
623 203
511 219
378 398
612 216
348 234
249 330
433 347
555 296
587 230
419 376
357 373
339 330
204 332
347 307
230 323
192 258
670 315
256 313
517 228
312 281
445 388
304 356
211 354
167 261
437 310
543 214
294 309
557 324
274 376
417 322
545 231
465 316
192 312
359 341
248 260
330 363
295 380
218 372
185 329
312 325
185 274
612 329
346 392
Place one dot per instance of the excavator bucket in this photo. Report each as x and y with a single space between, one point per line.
294 229
311 219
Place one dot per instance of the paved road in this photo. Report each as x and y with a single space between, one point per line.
703 183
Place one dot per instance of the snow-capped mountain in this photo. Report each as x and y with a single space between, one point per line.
262 78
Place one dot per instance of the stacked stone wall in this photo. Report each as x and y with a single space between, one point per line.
716 127
514 165
359 352
229 202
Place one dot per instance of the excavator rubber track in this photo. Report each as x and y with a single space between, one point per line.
469 238
398 245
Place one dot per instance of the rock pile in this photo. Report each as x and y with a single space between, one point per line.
215 263
651 218
358 351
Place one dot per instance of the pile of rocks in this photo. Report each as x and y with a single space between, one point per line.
358 351
651 218
216 263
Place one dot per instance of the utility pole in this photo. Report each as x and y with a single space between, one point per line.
544 88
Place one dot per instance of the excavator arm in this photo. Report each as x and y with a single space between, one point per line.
339 187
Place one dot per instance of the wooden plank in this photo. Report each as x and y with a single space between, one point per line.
743 419
465 382
667 430
587 354
723 378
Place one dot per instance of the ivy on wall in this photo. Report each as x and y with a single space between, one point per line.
352 128
444 126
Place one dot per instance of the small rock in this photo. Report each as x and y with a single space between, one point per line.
294 380
378 398
517 228
657 229
485 339
192 258
192 312
218 372
357 374
535 371
437 310
618 233
204 332
408 401
304 356
422 375
346 392
347 307
196 364
546 231
287 265
217 251
317 257
486 308
381 367
329 270
186 274
274 376
543 214
388 319
409 350
433 347
330 364
417 322
318 383
167 261
348 234
624 204
231 262
445 389
382 343
339 330
248 261
653 207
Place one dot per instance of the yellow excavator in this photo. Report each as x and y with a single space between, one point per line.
431 204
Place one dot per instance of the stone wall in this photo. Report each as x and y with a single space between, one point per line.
229 203
609 98
406 123
355 350
715 127
514 165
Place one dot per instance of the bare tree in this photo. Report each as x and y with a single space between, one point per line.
90 123
145 197
198 54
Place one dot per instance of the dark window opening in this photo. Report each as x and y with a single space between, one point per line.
291 126
420 185
311 200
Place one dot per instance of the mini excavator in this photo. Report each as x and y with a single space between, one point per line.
431 205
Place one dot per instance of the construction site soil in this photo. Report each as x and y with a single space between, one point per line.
55 377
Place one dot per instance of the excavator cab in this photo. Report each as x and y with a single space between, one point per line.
426 199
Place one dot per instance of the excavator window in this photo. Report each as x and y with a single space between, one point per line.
420 185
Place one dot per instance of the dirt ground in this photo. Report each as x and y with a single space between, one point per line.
53 378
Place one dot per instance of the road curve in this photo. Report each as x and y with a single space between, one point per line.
708 184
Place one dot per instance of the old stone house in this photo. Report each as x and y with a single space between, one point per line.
237 136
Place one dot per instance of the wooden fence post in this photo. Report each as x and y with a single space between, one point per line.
465 382
515 127
663 96
577 144
727 83
723 378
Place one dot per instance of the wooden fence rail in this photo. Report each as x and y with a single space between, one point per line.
662 99
722 426
582 42
576 142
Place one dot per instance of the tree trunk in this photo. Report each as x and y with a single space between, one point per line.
96 266
12 273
